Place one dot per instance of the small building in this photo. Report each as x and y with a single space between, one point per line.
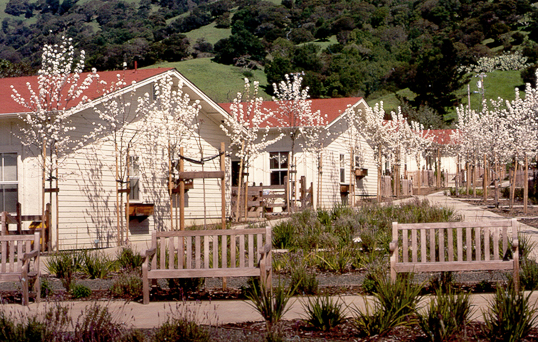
87 216
344 172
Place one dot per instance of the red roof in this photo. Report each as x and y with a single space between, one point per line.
333 108
9 106
441 136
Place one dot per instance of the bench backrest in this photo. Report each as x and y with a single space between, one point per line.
12 248
453 241
209 249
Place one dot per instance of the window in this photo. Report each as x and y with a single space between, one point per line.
278 163
342 168
134 179
9 186
357 161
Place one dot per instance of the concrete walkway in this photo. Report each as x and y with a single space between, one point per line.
214 312
472 213
235 311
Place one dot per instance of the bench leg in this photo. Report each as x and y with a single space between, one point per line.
37 289
145 284
24 285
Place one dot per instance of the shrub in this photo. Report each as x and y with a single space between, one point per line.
324 313
27 330
96 264
395 305
302 280
272 304
128 285
129 259
185 285
80 291
95 324
46 288
284 235
63 265
447 313
529 275
510 316
179 329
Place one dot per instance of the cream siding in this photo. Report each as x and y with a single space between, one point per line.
87 197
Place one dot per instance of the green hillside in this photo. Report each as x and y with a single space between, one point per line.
220 82
497 84
210 33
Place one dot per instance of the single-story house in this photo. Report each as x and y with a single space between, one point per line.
337 170
87 180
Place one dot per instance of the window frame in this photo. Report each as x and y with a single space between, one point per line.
4 182
282 170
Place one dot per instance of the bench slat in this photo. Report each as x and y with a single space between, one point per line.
423 245
171 253
442 245
206 251
505 241
459 243
469 244
233 258
203 273
495 243
414 245
405 247
464 224
189 252
215 251
12 257
241 251
211 232
250 250
432 245
450 242
455 266
486 244
163 254
224 252
477 237
4 255
180 252
259 244
197 252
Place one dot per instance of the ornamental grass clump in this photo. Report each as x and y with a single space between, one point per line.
129 259
272 304
324 312
510 316
64 265
96 265
395 304
448 312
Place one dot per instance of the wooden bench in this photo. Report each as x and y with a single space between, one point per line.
454 246
17 251
208 253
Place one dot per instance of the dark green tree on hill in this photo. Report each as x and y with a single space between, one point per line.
436 77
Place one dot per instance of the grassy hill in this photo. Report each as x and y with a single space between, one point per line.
218 81
497 84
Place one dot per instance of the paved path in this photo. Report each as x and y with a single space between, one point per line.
212 312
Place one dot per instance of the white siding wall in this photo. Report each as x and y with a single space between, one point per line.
87 197
337 143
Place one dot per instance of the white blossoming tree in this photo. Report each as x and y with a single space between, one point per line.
120 125
248 129
299 122
171 122
47 125
417 143
379 135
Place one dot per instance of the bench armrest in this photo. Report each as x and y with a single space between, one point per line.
266 249
393 246
30 255
148 254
